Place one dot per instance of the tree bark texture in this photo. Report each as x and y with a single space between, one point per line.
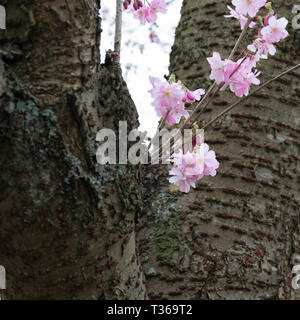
67 224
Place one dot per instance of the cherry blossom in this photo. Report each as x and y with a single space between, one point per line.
154 37
145 13
190 167
262 47
170 98
242 19
275 30
192 96
155 7
165 93
141 14
217 67
249 7
237 75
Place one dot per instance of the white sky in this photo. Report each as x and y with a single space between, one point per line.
141 58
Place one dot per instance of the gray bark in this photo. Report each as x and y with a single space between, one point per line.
67 224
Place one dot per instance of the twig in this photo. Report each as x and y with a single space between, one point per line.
162 124
281 4
118 30
251 94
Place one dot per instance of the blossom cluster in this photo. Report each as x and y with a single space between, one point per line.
189 167
170 98
240 75
143 12
237 75
194 162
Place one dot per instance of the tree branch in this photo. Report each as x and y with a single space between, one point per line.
118 30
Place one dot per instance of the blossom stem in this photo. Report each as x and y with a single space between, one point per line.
240 39
279 7
118 30
162 124
251 94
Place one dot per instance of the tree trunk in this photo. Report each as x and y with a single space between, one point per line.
67 224
236 236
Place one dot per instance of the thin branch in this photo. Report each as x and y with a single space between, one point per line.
162 124
251 94
118 30
281 4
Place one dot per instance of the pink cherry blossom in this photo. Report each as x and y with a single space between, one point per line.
155 7
190 167
154 37
217 68
168 100
175 114
239 76
180 180
141 14
165 93
242 19
210 162
275 31
266 19
192 96
250 7
262 47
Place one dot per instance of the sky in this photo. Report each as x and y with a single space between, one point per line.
140 57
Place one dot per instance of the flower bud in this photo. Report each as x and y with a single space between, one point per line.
129 2
268 5
140 4
135 5
190 97
172 78
125 5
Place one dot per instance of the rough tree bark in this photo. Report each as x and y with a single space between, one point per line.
237 236
67 225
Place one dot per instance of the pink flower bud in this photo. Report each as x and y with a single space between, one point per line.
266 21
190 97
135 6
125 5
140 4
129 2
184 98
